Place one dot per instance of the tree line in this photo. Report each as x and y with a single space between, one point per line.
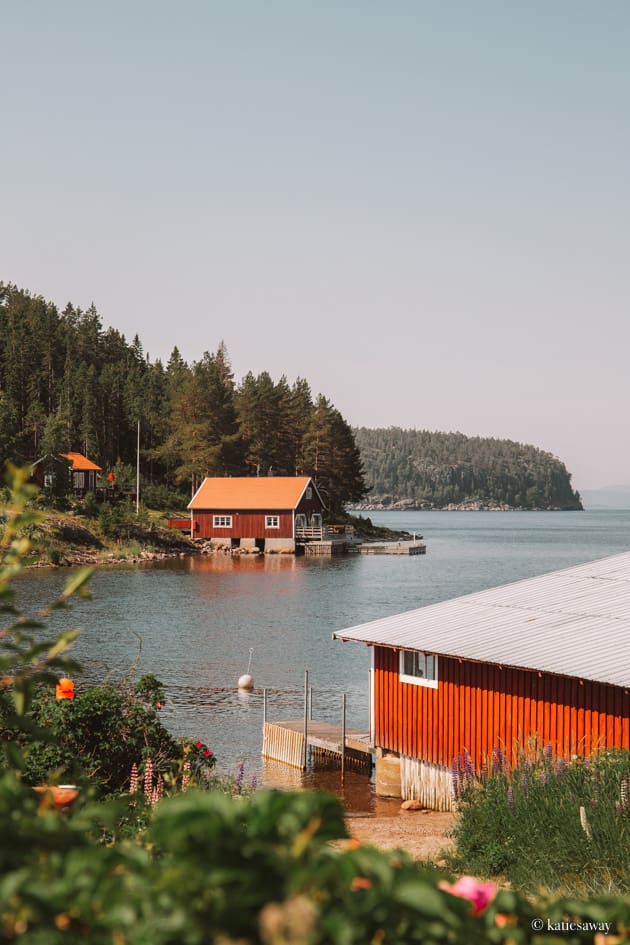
434 469
69 384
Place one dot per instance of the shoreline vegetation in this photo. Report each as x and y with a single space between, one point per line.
73 540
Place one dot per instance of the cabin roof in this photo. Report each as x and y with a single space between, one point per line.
80 462
248 492
573 622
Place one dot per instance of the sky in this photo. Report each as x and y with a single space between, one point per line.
420 207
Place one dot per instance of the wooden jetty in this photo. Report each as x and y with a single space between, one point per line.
395 548
285 742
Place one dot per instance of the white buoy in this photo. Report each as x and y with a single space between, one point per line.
246 681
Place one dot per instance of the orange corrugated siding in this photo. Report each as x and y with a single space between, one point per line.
249 493
478 706
81 462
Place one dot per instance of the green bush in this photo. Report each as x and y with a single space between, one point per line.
97 737
562 824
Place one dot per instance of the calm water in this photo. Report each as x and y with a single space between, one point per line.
192 622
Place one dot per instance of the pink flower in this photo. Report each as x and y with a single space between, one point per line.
198 744
360 882
467 887
206 752
158 705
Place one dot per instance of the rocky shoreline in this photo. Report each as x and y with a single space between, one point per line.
474 505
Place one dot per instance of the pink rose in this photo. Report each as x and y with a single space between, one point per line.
467 887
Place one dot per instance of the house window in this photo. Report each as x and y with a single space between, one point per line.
418 668
222 521
309 492
272 521
48 481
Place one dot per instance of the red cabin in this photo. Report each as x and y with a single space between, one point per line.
542 659
250 513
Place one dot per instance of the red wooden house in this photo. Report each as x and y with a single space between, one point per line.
261 513
544 659
66 473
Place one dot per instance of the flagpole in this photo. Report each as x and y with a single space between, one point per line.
138 473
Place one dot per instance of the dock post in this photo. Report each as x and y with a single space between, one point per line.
343 738
310 702
264 706
305 748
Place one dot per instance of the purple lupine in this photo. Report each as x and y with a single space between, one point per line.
543 777
455 777
525 777
548 752
253 784
238 783
498 759
510 799
561 766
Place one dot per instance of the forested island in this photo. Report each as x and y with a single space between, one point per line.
429 470
67 383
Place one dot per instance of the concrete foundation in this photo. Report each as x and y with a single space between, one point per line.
279 546
388 775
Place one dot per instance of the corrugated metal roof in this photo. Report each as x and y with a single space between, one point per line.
79 461
242 493
575 622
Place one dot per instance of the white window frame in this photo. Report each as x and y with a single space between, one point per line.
272 521
428 659
221 521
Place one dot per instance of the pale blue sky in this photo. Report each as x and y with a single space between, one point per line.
421 207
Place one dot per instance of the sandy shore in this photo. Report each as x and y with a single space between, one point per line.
422 834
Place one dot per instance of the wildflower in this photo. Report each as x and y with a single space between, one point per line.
624 792
158 705
133 780
238 783
561 767
148 778
207 753
548 752
360 882
510 799
253 784
467 887
584 824
186 775
198 744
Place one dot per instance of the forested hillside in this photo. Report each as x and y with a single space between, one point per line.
67 383
434 470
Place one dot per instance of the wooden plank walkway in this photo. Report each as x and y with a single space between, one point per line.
398 548
284 741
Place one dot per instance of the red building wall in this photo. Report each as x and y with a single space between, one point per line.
244 525
479 706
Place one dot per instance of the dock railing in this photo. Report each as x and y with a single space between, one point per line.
323 532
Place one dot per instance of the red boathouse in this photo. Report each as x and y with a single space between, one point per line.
250 512
545 659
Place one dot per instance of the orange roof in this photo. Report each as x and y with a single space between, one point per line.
266 492
79 461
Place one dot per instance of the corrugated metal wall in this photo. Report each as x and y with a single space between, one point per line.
477 707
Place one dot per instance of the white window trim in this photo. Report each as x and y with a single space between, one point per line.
272 521
419 680
221 521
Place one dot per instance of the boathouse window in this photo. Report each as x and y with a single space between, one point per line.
222 521
272 521
418 668
309 492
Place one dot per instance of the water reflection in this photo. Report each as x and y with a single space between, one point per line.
192 622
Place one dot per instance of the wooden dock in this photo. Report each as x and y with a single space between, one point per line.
395 548
284 741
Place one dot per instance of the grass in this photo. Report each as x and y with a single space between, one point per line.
556 824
